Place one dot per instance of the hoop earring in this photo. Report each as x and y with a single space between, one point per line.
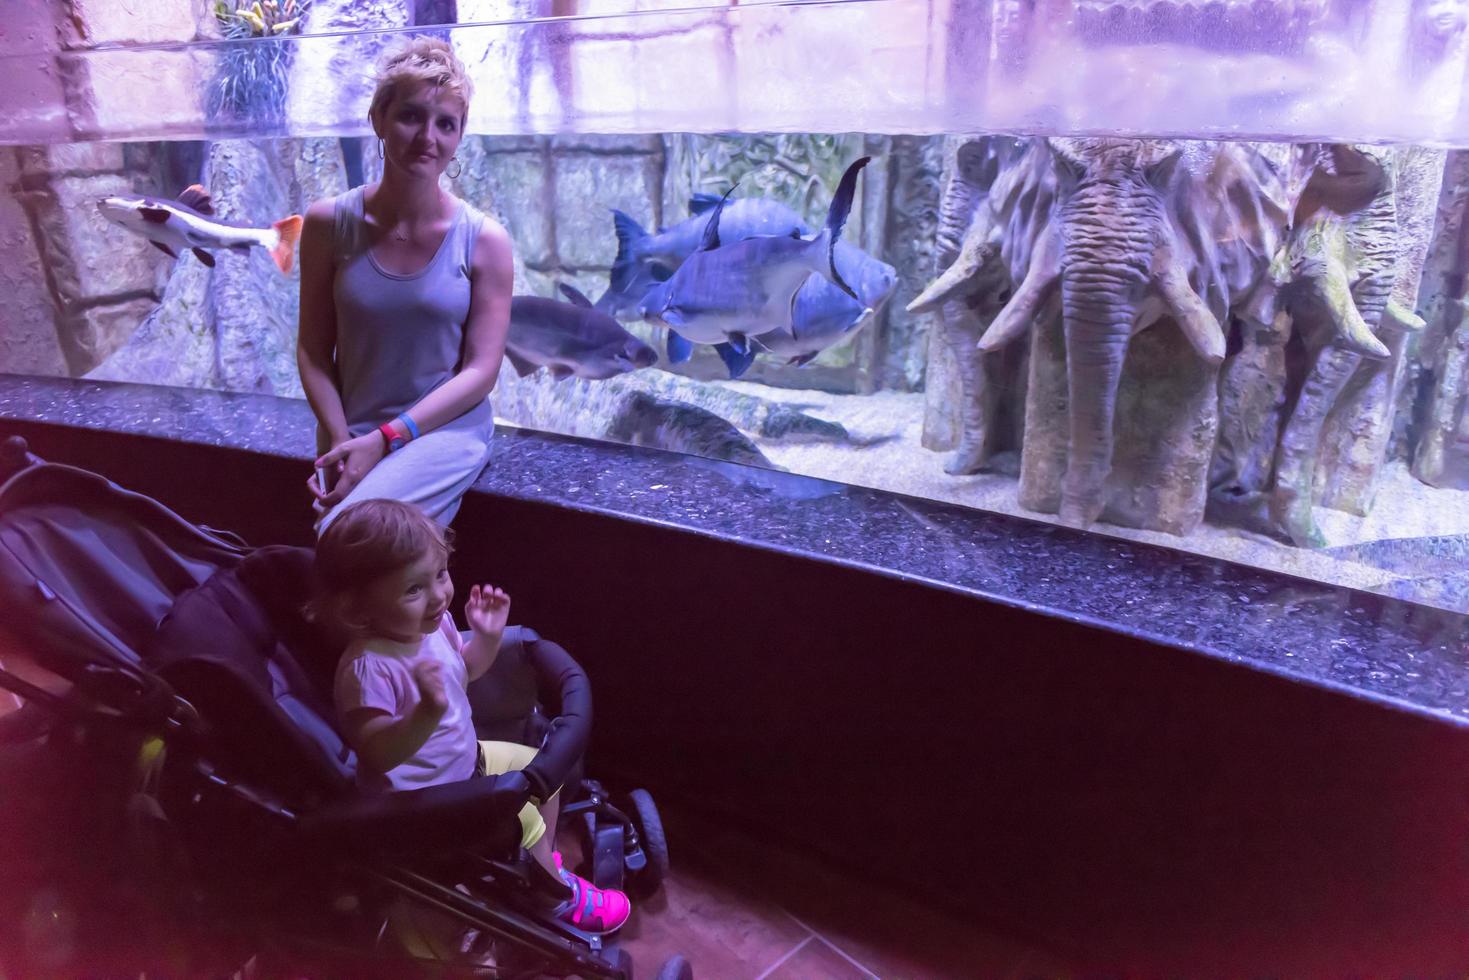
381 154
458 168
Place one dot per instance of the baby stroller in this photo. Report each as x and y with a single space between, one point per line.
188 662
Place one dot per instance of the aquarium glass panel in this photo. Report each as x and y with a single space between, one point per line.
1185 273
1361 70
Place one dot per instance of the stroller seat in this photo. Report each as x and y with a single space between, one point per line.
186 638
259 673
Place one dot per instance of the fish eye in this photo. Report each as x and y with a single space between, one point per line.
660 272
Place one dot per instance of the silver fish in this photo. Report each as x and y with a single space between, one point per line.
644 259
823 315
730 293
188 224
571 339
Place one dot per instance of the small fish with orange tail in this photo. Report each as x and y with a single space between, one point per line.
189 223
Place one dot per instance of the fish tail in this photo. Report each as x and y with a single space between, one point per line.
288 233
836 219
629 235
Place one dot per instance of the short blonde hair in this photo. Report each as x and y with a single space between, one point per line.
420 59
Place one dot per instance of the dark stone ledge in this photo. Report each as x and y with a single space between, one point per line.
1386 650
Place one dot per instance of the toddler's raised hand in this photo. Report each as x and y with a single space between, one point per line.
488 610
429 676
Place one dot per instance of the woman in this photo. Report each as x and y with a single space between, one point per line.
405 303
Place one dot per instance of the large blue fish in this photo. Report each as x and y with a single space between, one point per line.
823 314
571 339
644 259
728 293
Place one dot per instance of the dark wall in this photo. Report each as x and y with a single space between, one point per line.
1142 808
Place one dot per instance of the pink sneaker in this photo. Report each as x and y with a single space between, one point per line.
592 909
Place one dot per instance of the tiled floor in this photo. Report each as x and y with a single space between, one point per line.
740 909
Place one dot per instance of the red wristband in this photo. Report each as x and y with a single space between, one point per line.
391 439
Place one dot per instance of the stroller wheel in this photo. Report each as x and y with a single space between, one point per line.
649 825
676 968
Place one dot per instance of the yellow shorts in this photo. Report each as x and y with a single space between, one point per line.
503 757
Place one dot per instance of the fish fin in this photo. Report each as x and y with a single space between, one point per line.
204 257
154 216
680 349
756 344
629 234
284 252
711 230
824 261
671 317
737 363
561 372
739 342
164 249
803 359
196 197
523 367
699 203
575 295
836 219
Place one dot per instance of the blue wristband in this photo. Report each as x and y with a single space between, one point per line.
408 424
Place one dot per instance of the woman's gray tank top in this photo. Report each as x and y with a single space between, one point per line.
398 337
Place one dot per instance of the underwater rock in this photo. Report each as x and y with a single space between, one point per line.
29 343
915 166
99 275
947 378
175 343
983 386
943 393
1043 459
1442 459
1252 399
1167 422
1355 268
88 258
1439 302
1355 441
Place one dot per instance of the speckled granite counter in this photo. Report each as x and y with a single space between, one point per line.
1388 650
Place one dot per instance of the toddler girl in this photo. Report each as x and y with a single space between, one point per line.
401 685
